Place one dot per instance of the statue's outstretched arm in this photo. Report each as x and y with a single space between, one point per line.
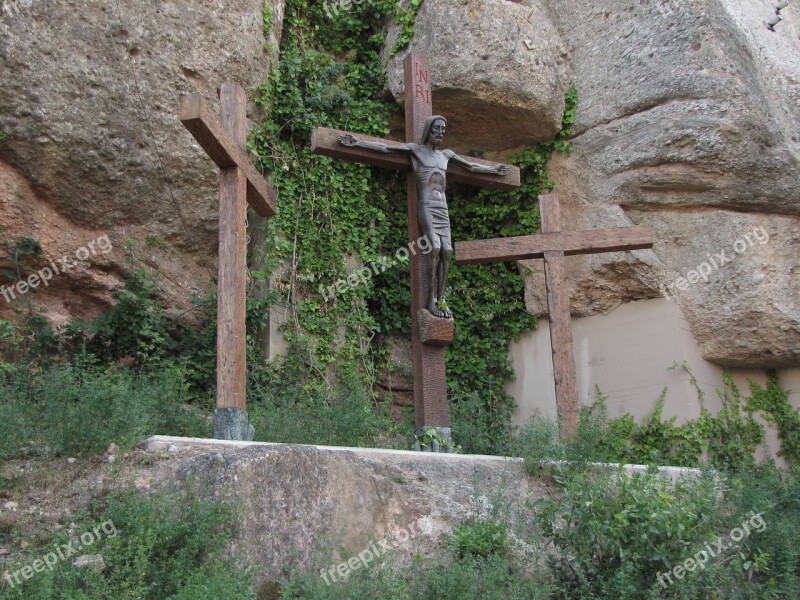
350 141
497 169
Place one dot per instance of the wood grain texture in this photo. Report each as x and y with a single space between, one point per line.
231 295
325 141
224 150
591 241
435 331
566 386
564 374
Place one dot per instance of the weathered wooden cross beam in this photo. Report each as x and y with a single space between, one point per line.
240 184
553 245
429 335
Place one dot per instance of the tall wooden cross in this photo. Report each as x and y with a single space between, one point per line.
429 335
553 245
240 184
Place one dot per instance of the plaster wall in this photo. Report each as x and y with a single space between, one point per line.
627 354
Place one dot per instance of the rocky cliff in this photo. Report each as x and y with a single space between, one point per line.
89 105
688 120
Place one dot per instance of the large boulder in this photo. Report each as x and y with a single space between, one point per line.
90 103
688 120
498 72
307 506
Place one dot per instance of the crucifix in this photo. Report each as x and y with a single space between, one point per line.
432 326
553 245
240 184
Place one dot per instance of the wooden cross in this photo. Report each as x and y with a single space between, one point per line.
429 335
224 140
553 245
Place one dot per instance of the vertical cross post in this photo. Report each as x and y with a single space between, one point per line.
231 285
240 184
428 361
567 407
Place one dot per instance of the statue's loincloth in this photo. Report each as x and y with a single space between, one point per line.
438 215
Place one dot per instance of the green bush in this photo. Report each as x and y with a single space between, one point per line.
727 440
613 532
482 425
167 547
479 538
769 563
342 415
538 444
76 409
491 578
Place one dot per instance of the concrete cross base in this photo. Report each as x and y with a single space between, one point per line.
440 441
232 424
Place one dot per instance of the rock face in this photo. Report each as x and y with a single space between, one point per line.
688 120
498 72
310 506
89 103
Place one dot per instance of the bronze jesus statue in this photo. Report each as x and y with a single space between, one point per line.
430 168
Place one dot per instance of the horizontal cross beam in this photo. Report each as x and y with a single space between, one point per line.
590 241
207 129
325 141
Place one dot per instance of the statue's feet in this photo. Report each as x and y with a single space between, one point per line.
433 308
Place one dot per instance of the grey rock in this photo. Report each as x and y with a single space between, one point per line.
299 504
90 103
497 91
688 121
397 375
93 562
232 424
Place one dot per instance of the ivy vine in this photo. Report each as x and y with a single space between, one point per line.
727 439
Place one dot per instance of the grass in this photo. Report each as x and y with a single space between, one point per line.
159 547
73 410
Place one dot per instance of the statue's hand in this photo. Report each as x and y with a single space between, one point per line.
347 140
502 169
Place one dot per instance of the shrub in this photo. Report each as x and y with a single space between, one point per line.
82 409
167 546
342 415
479 539
616 531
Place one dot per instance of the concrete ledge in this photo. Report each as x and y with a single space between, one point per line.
162 442
309 506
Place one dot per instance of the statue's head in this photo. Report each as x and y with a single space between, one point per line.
434 129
